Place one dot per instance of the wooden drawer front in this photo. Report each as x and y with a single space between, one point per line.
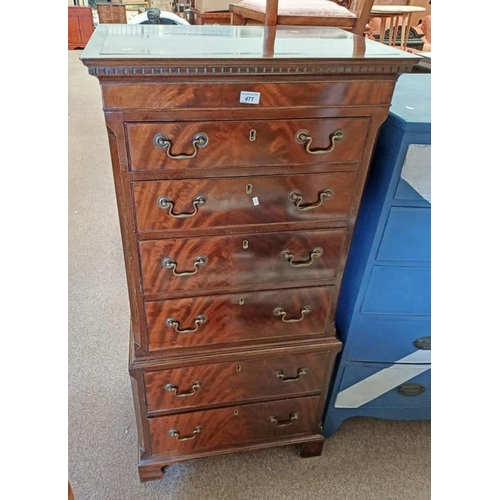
385 386
243 201
240 259
230 143
236 317
233 426
272 95
204 385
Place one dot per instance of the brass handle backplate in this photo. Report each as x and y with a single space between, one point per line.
423 343
284 423
297 199
175 389
175 434
279 311
303 137
411 390
200 140
173 323
167 204
279 374
169 263
313 254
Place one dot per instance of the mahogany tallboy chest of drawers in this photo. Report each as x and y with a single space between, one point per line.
239 157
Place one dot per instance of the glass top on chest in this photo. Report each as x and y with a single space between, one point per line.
113 41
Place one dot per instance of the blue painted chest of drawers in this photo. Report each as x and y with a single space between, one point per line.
384 315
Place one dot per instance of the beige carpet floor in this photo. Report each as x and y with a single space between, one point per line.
367 459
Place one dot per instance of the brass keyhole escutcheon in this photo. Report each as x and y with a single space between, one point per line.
245 244
236 412
253 135
238 368
248 189
241 301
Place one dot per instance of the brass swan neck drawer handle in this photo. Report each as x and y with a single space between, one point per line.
200 140
169 263
279 374
176 434
303 137
173 323
314 254
167 204
296 197
174 389
279 311
284 423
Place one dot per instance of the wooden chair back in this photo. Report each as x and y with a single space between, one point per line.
270 17
112 13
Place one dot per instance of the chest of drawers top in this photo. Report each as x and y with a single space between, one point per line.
212 53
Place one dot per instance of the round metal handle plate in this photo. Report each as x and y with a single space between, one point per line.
296 197
303 137
279 311
176 434
173 388
173 323
313 254
280 374
169 263
411 390
200 140
165 203
423 343
284 423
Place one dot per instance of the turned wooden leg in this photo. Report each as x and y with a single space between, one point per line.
151 472
312 449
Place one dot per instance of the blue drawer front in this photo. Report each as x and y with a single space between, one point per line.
398 290
405 192
388 340
407 235
384 386
414 183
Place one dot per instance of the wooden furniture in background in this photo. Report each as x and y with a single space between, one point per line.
238 181
143 3
219 18
395 18
393 2
384 310
416 16
112 13
80 26
267 12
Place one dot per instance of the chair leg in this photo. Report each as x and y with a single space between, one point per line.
236 19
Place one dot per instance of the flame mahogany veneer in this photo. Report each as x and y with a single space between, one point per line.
236 220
